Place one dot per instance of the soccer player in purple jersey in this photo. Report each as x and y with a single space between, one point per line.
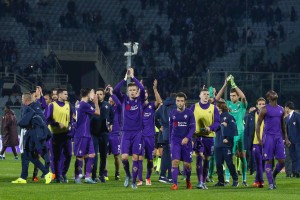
83 143
132 124
148 136
272 142
115 131
182 127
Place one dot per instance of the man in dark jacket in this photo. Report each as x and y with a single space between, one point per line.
9 132
35 137
293 129
100 127
162 114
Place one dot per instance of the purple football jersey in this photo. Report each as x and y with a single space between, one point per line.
182 124
272 120
84 111
148 119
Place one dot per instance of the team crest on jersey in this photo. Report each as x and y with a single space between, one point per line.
253 148
265 155
228 152
185 116
174 117
106 106
224 118
294 123
150 106
92 108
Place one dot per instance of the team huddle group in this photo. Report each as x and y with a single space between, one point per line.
130 125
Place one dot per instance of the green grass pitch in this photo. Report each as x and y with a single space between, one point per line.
287 188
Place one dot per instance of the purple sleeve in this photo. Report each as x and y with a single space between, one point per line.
116 100
87 108
192 107
42 101
71 114
117 90
141 87
192 126
216 123
49 115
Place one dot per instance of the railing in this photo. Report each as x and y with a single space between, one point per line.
15 78
253 84
73 47
57 80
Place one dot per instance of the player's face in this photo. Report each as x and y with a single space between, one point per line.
204 96
92 94
63 96
234 97
100 95
132 91
260 104
47 99
110 101
180 103
272 95
54 95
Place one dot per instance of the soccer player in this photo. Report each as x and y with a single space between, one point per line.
115 134
182 128
207 119
148 135
272 142
132 123
99 130
237 110
59 118
223 144
251 142
293 129
83 143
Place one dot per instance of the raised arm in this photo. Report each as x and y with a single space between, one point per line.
241 95
158 99
117 89
221 91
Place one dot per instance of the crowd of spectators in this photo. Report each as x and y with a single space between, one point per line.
8 52
288 63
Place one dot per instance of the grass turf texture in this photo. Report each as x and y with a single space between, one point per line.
287 188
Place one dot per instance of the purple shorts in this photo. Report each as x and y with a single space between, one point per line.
131 142
148 144
273 147
182 152
83 146
114 144
204 145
